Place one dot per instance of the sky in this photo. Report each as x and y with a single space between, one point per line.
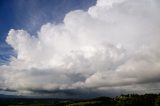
30 15
79 48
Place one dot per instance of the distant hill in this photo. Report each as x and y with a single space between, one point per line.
123 100
2 96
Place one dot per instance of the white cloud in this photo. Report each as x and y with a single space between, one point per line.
113 44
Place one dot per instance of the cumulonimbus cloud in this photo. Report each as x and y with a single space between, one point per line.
113 44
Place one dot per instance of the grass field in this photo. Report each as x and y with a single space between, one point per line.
123 100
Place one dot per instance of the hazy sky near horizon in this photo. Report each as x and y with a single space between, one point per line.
79 48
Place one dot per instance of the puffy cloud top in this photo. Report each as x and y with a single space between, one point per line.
113 45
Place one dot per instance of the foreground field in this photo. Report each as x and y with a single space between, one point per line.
123 100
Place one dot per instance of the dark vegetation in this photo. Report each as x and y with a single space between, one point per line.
123 100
